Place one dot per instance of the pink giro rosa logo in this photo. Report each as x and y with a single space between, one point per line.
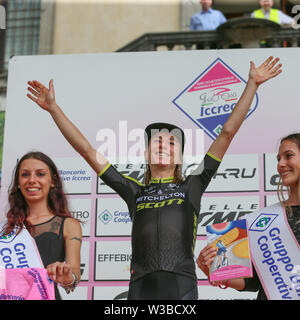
210 98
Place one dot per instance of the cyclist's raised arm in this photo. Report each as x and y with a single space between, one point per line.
267 70
45 98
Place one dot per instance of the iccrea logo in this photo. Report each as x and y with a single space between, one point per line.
211 97
262 222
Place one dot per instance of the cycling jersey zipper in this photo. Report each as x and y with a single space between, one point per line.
158 226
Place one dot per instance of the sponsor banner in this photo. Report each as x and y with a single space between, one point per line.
80 293
84 260
211 97
81 210
76 175
237 173
135 170
275 253
225 209
195 83
112 260
118 253
112 217
18 251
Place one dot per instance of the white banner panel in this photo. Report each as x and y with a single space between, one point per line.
112 217
75 174
81 209
237 172
225 209
112 260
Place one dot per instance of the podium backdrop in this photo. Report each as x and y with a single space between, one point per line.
111 97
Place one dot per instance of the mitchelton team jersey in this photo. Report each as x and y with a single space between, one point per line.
164 218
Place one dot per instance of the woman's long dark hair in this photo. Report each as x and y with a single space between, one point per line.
57 201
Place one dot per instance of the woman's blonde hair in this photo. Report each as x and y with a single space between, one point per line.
178 178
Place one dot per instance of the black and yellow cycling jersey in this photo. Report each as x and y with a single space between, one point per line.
164 218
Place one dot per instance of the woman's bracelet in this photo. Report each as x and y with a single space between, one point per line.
72 285
224 285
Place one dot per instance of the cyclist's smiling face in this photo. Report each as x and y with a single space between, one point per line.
164 149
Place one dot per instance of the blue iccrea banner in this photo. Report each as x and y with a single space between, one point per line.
210 98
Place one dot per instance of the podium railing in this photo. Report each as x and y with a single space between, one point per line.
239 32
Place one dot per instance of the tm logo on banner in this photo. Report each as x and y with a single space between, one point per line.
262 222
210 98
105 216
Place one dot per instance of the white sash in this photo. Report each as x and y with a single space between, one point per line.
275 253
18 251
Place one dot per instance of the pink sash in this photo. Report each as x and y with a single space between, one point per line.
22 274
25 284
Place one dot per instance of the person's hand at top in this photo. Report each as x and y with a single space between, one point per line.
267 70
41 95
